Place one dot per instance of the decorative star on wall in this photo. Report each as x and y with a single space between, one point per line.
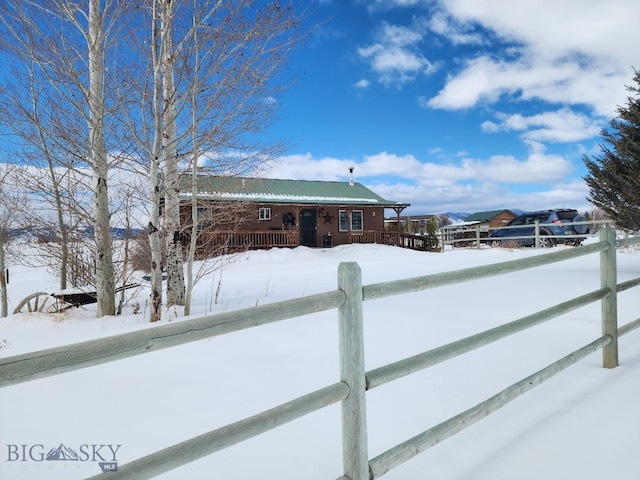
327 218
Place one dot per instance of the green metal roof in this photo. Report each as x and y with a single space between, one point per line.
269 190
484 216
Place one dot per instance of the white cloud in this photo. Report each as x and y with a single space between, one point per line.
463 183
488 196
563 125
485 80
538 167
455 31
363 83
394 57
571 52
306 167
382 5
389 164
554 29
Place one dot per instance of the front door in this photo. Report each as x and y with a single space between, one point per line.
309 227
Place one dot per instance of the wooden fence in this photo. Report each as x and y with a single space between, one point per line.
475 235
354 380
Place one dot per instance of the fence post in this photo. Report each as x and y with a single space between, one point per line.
609 279
352 372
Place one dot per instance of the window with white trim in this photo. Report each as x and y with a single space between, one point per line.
357 220
264 213
205 217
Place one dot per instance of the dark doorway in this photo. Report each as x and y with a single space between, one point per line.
309 227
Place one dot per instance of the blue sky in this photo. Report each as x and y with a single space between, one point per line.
459 105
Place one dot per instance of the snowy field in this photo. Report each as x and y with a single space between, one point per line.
584 423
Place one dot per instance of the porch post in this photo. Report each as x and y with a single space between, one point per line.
398 211
297 210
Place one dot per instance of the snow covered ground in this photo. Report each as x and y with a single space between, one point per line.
584 423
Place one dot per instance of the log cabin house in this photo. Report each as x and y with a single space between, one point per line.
236 213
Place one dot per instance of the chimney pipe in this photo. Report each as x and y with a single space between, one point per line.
351 176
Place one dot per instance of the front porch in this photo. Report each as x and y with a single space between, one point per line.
215 242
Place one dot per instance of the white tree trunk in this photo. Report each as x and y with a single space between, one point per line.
155 180
105 283
175 272
3 279
153 230
194 237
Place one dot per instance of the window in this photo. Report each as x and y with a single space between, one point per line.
264 213
205 217
344 219
357 220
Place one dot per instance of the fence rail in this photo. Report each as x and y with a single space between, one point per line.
476 235
354 379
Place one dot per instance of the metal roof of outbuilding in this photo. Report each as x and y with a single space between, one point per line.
485 216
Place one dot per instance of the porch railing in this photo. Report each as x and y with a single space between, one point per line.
382 237
248 239
227 240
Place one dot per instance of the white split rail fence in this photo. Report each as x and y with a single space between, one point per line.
475 235
355 380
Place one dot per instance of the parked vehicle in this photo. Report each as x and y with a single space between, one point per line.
555 226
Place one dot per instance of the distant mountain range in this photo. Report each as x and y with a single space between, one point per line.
455 216
85 232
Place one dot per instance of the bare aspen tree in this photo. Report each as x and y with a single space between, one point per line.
226 57
7 218
26 113
208 246
58 214
105 282
234 54
67 41
175 272
12 203
208 91
127 199
193 240
154 159
3 280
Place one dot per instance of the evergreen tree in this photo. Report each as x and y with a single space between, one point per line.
431 240
614 175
